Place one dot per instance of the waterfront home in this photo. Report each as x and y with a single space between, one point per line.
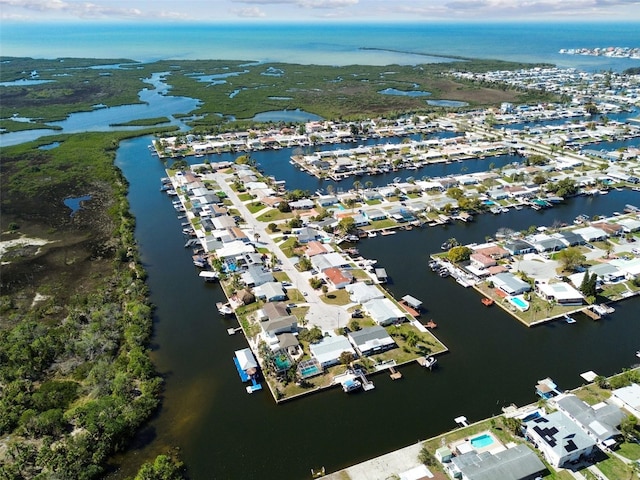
383 311
326 200
223 222
328 350
600 422
255 275
509 283
374 214
371 340
492 250
272 329
562 293
329 260
518 247
629 224
272 311
631 268
234 249
546 243
569 238
481 261
628 398
559 439
302 204
270 292
516 463
360 292
611 229
337 277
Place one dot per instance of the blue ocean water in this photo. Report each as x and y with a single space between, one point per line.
322 43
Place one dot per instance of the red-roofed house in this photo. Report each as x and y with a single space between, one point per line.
337 277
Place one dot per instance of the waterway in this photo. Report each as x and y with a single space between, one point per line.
225 433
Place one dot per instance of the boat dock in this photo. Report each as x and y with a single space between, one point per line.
352 380
427 362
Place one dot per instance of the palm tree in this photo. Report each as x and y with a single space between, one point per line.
357 185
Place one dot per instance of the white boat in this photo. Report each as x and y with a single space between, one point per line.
372 234
224 308
638 354
429 362
569 319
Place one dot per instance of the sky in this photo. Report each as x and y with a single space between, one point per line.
234 11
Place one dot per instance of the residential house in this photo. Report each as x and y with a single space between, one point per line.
562 293
559 439
255 276
371 340
383 311
628 398
327 352
270 292
600 422
518 247
360 292
516 463
509 283
338 277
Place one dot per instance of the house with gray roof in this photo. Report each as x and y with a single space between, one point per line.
371 340
518 247
270 292
516 463
569 238
255 276
509 283
600 422
272 328
559 439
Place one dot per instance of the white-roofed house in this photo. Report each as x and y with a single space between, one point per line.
327 352
360 292
383 311
591 234
558 438
561 292
628 398
328 260
509 283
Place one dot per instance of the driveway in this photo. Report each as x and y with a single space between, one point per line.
327 317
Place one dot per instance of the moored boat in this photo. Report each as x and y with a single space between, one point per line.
487 302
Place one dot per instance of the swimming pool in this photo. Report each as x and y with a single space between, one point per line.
520 303
482 441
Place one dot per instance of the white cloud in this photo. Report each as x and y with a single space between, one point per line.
77 9
250 12
304 3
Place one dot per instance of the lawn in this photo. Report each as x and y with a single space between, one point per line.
336 297
274 215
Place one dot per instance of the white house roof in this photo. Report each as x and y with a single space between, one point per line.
328 260
560 291
246 359
360 292
235 248
382 310
590 233
629 395
330 348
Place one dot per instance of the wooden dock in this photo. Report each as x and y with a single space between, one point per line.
394 374
590 313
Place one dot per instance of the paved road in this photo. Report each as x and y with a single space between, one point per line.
327 317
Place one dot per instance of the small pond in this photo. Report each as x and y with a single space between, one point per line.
75 203
286 116
446 103
404 93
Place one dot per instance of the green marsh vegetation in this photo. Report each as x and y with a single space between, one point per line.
76 380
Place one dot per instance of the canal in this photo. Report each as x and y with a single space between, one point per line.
223 432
